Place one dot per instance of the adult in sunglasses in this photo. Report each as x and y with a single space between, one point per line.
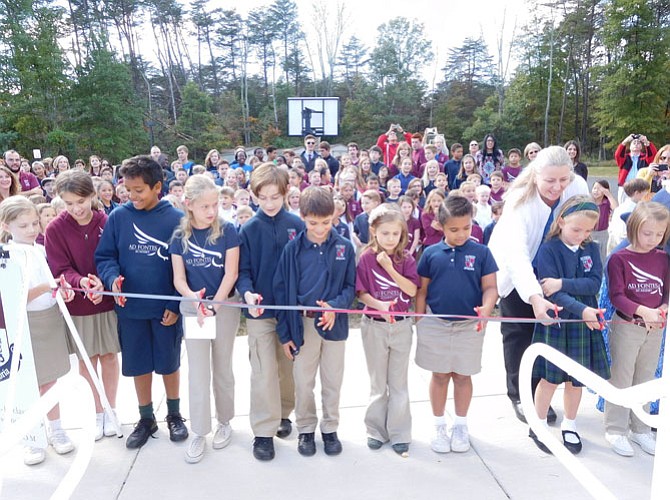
309 155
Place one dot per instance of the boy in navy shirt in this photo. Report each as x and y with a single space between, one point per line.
369 201
134 248
317 269
262 240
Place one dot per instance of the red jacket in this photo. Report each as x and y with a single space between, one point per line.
624 161
389 150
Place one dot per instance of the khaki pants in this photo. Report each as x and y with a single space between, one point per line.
212 361
634 359
387 347
328 357
272 389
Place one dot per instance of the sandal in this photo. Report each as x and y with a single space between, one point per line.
574 448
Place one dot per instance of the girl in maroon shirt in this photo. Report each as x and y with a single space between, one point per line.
432 229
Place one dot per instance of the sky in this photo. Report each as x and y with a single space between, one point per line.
447 23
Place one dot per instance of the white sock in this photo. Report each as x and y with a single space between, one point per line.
460 420
569 425
440 421
54 425
544 422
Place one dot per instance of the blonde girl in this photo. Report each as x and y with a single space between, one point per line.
387 280
469 190
61 164
212 160
71 241
407 207
106 196
19 226
638 281
570 271
205 256
432 229
46 213
429 176
404 151
293 200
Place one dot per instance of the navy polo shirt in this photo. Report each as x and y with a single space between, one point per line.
404 181
362 227
456 276
312 281
205 262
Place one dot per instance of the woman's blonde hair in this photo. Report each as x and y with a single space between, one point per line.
11 209
388 212
644 211
195 187
578 204
525 186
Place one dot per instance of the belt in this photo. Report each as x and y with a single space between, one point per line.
634 321
380 319
311 314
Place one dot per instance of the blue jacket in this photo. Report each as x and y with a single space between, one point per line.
134 244
340 286
262 240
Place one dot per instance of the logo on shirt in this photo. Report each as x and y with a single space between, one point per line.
587 263
203 258
339 252
469 263
645 282
388 289
148 245
291 233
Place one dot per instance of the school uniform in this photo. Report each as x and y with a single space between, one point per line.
362 227
342 229
70 249
48 332
387 347
404 181
262 241
431 235
308 272
451 168
134 245
210 361
412 225
452 345
580 270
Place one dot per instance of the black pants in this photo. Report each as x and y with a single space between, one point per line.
516 338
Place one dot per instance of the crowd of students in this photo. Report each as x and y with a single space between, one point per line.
402 226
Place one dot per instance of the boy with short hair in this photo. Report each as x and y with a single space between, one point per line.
262 240
242 198
133 252
244 213
181 175
176 188
497 180
317 269
227 209
394 187
182 154
453 166
369 201
513 168
441 182
375 153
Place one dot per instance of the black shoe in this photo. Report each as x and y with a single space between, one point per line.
176 426
143 429
539 443
551 416
574 448
306 445
518 409
264 448
285 428
331 445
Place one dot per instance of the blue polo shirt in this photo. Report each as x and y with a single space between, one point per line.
205 262
362 227
456 276
404 181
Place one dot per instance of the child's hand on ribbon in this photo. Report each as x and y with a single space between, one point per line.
92 283
254 299
66 290
327 318
593 318
203 310
117 285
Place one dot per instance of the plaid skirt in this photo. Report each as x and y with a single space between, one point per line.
576 341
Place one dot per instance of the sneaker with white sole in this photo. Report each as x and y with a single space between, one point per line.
440 443
108 427
460 438
196 450
99 426
33 455
620 444
60 442
646 442
222 436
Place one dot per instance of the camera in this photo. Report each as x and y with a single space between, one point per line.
662 167
635 136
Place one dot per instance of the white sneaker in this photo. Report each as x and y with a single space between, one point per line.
196 450
222 436
108 426
61 442
440 443
646 442
99 425
33 456
620 444
460 438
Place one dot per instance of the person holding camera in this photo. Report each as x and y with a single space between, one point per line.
639 155
657 171
388 142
